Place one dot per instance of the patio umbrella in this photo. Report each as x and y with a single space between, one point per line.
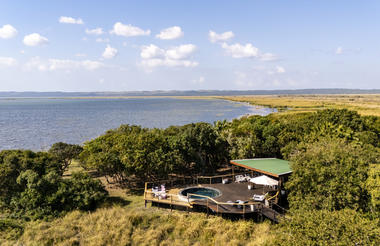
264 180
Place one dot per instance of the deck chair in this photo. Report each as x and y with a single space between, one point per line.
239 178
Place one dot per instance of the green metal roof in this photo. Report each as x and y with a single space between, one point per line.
271 166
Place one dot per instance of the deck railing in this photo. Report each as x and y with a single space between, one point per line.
210 199
171 199
219 207
210 178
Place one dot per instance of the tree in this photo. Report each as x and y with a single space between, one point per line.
31 185
330 174
14 162
322 227
201 149
131 153
65 153
373 187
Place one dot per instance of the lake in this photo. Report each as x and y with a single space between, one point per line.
37 123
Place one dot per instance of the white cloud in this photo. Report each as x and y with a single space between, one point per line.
153 56
102 40
96 31
152 51
181 52
8 61
91 65
170 33
150 63
121 29
339 50
7 31
109 52
268 57
35 39
240 51
215 37
70 20
280 69
59 64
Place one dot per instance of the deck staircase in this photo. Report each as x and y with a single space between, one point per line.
272 214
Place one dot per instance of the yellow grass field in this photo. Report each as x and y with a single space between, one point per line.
365 104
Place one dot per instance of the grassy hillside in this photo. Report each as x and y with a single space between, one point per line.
132 224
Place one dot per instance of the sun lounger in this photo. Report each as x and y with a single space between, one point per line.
239 178
258 198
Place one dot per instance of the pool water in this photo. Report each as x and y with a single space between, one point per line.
204 191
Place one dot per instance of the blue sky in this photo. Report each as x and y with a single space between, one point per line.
188 45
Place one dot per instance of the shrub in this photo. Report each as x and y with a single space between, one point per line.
322 227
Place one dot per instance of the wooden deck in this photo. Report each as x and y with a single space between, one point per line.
226 203
236 191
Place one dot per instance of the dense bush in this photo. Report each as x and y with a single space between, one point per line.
31 185
65 153
331 174
132 153
373 187
322 227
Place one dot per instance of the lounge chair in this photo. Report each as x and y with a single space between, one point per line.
240 203
258 198
163 195
239 178
247 177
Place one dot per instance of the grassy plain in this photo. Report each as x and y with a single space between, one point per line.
365 104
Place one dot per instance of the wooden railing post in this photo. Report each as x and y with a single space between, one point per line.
171 202
207 207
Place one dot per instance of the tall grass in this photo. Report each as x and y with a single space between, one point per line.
135 225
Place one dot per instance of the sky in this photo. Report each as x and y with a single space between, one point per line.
188 45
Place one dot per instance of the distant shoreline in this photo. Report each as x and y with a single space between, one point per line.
189 93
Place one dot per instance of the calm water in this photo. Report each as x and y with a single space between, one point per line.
38 123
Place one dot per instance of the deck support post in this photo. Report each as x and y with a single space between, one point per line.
233 173
207 208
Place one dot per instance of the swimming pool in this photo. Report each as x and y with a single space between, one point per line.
204 191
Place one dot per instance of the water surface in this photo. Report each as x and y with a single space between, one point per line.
39 122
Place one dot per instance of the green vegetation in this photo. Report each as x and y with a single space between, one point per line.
65 153
323 227
131 154
331 174
32 186
333 191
